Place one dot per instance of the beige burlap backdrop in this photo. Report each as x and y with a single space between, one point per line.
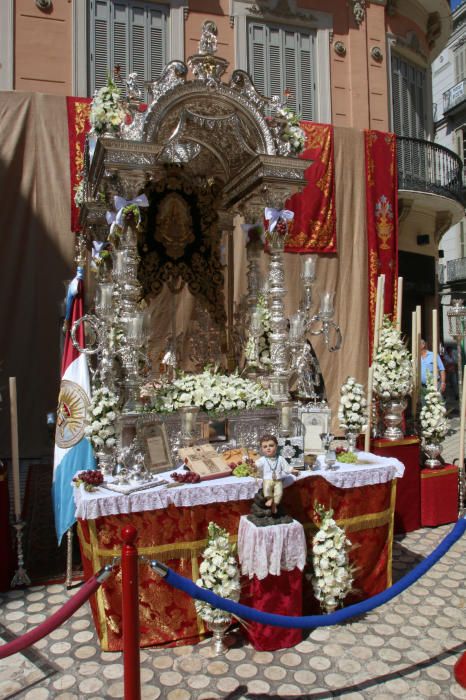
36 254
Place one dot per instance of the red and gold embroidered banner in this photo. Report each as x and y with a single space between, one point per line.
382 218
78 109
314 225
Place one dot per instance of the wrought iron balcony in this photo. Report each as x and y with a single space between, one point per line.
454 96
456 270
426 166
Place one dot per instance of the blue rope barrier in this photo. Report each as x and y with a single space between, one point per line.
183 584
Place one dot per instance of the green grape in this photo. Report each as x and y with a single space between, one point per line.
348 457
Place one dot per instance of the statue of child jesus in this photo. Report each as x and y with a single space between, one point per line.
274 469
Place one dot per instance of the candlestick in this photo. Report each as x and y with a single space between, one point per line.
309 268
435 346
399 303
326 304
14 447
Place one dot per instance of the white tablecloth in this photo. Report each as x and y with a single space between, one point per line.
94 504
270 550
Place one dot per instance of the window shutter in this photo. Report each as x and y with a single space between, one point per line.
291 69
120 43
100 44
257 62
138 44
157 43
408 99
276 76
131 34
306 55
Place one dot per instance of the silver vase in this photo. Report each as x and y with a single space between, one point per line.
351 437
106 461
433 451
218 629
392 417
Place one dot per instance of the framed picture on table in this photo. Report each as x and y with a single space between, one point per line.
157 453
315 419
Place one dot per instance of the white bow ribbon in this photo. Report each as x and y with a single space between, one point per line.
273 215
97 247
121 203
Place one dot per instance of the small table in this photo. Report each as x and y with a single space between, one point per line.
272 560
439 496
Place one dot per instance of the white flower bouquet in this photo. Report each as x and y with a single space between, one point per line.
101 419
432 419
393 370
211 392
219 573
352 411
292 132
333 573
107 111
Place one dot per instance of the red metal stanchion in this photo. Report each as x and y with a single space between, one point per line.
460 670
130 613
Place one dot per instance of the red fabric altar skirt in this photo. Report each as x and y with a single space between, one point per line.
282 595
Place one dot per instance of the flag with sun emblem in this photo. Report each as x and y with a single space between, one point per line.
73 451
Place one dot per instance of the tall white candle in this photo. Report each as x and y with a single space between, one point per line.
399 302
435 346
418 345
367 436
14 447
414 362
376 318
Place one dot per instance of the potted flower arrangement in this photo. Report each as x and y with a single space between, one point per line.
393 377
433 423
212 392
291 133
352 411
219 573
100 426
333 572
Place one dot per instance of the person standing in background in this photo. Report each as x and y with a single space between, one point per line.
427 366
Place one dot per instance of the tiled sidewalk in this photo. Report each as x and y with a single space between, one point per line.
405 648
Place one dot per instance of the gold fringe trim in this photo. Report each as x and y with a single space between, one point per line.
438 472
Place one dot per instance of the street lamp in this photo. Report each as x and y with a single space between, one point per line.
457 329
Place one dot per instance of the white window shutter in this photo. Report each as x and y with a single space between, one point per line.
128 33
257 53
291 79
100 44
306 54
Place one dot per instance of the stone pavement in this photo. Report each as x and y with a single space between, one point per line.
405 648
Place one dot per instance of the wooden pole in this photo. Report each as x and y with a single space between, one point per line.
399 303
14 447
435 346
370 384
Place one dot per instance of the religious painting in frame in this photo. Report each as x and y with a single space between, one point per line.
154 440
315 419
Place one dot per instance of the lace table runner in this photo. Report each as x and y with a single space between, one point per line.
270 550
94 504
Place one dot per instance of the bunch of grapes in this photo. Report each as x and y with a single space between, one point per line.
281 227
185 477
91 479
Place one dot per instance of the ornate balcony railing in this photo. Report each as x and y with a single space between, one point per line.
456 270
426 166
454 96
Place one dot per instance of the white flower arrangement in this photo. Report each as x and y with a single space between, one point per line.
434 425
393 370
107 111
211 392
79 194
333 574
292 132
101 417
352 411
263 312
219 573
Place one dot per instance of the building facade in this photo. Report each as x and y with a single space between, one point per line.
352 63
449 101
